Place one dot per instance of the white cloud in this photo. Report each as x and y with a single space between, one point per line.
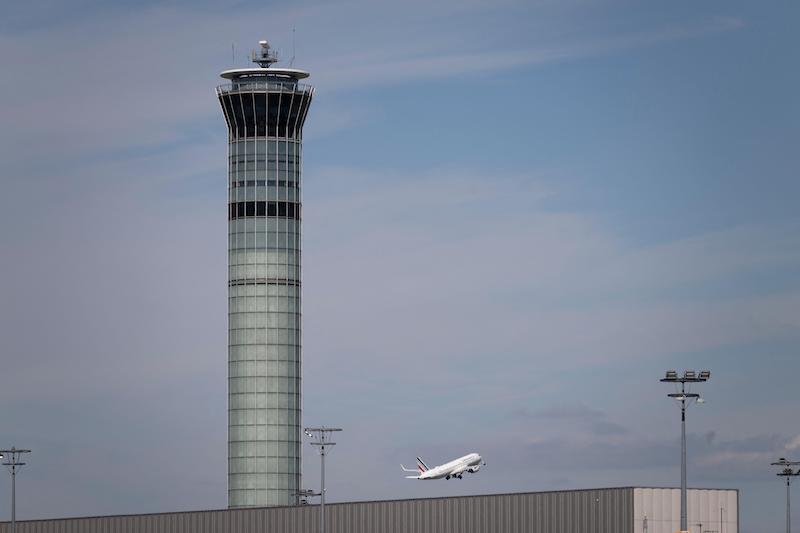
490 271
794 443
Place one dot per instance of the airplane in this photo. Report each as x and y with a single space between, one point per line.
469 463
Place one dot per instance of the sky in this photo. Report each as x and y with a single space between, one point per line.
517 216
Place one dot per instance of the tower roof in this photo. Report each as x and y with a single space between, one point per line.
265 57
291 73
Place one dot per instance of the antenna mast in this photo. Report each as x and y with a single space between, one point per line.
291 63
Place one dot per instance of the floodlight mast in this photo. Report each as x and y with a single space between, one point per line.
13 462
788 473
686 399
322 436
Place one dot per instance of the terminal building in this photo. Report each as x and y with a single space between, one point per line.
612 510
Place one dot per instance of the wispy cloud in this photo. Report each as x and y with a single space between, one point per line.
395 65
794 444
120 89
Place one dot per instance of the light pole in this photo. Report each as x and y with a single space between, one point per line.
788 473
685 398
12 462
322 436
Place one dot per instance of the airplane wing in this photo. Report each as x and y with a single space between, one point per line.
459 470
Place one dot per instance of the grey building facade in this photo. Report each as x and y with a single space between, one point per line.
613 510
265 109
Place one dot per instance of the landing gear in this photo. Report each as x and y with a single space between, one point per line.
459 476
447 477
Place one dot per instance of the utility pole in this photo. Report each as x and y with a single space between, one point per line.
685 398
788 473
322 441
12 462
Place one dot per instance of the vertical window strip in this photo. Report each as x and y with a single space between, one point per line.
264 260
282 173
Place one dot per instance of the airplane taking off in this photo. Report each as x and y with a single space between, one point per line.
469 463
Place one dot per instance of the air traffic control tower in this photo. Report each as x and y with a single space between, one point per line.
265 108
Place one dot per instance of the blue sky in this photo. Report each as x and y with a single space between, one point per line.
517 216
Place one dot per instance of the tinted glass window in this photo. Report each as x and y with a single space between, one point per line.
259 209
283 117
294 112
226 102
272 114
249 114
236 103
261 114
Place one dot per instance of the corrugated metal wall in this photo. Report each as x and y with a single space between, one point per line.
583 511
658 510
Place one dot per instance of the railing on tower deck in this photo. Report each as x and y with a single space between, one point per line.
250 86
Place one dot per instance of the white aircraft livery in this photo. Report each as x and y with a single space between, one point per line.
469 463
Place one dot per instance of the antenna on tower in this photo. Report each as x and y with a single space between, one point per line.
265 57
291 63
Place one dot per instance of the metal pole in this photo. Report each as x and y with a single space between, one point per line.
13 498
686 399
683 460
788 505
12 461
322 436
322 496
788 472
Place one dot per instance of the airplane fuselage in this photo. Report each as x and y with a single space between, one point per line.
469 463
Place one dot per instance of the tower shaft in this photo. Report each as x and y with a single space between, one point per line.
265 109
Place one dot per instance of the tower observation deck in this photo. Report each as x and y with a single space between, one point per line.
265 108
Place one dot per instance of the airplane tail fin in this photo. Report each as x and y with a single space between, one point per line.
422 466
409 470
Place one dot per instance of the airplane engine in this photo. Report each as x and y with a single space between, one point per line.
474 469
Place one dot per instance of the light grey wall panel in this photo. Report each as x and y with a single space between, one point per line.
657 510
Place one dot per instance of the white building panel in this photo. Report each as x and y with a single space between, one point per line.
658 510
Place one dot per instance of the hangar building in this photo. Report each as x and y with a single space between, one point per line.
612 510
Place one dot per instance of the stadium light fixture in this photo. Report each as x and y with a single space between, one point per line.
685 398
322 436
13 463
788 472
